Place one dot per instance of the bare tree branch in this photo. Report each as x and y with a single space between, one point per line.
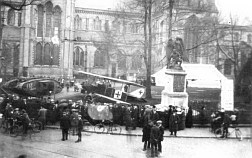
18 5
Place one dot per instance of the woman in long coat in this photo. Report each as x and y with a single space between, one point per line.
173 123
189 118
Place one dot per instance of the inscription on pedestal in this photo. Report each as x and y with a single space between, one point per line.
179 83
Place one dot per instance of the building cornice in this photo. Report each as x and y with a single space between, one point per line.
105 12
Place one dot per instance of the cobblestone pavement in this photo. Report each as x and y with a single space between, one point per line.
48 144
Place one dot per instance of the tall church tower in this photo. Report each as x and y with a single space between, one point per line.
46 41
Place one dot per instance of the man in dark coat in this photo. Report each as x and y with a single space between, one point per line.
65 124
226 123
154 135
127 117
173 123
154 115
42 117
134 116
146 135
26 121
160 136
169 113
79 128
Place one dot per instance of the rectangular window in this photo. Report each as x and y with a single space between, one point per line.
40 22
87 24
19 19
106 25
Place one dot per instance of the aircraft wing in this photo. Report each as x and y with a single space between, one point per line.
111 78
137 93
111 99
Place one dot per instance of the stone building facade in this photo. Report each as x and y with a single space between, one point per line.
108 42
56 37
40 33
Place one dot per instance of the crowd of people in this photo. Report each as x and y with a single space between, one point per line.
71 115
223 119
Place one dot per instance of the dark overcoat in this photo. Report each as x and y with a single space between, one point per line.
189 119
65 122
161 133
146 133
173 122
182 119
80 125
127 116
154 135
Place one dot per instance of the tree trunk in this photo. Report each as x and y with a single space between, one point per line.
170 19
145 35
148 77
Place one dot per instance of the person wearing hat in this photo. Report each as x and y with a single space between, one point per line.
42 117
74 120
226 124
79 128
168 115
147 115
160 136
154 136
65 124
154 114
26 121
146 135
173 123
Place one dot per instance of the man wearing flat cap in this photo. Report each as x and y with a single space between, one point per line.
160 136
79 128
65 124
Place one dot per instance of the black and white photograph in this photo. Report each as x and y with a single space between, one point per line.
125 78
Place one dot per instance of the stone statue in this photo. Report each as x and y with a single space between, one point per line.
174 53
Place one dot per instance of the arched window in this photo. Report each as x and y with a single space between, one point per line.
11 17
78 59
121 60
74 58
99 59
47 55
38 54
57 21
97 23
19 19
77 22
49 7
227 67
249 38
40 21
106 25
136 62
55 55
82 58
85 58
161 31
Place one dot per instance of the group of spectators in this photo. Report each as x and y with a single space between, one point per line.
222 119
16 117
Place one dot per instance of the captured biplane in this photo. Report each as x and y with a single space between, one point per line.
111 89
34 87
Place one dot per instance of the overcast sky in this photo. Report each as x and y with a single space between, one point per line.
238 8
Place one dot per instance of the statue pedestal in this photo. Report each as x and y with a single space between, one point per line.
175 89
